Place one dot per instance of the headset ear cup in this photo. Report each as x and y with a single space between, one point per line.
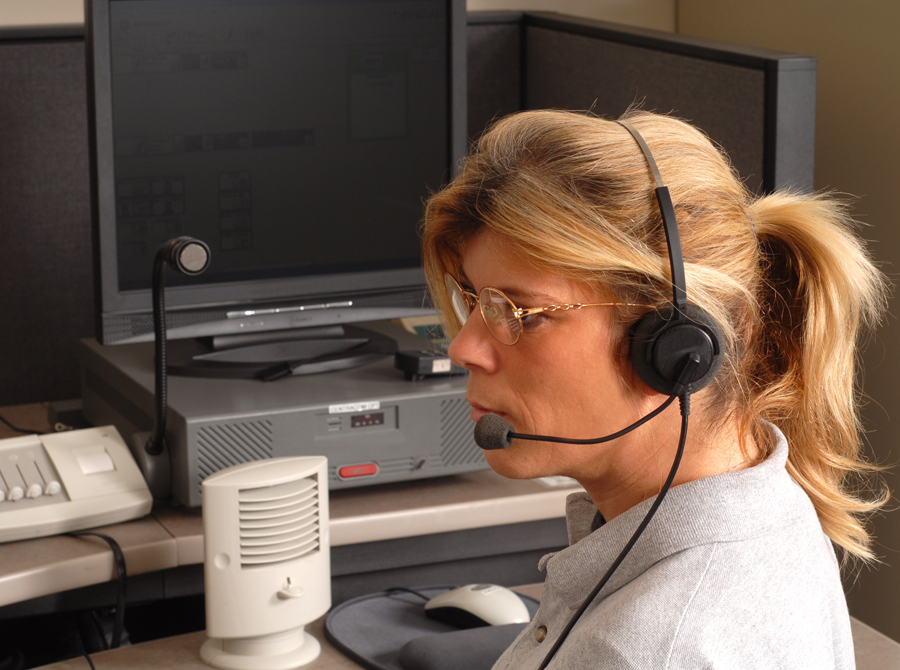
660 343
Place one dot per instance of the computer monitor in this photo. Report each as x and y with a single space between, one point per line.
297 138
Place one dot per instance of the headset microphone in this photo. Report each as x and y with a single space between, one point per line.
673 349
494 432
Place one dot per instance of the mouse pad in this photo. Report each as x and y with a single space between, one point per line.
374 629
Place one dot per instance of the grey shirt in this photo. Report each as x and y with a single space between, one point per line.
734 571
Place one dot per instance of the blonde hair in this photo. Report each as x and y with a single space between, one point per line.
787 280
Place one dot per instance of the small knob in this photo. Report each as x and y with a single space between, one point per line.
53 487
16 493
290 591
35 491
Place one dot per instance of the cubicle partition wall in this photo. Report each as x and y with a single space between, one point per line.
46 295
759 105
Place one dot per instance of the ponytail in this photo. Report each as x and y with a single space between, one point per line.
818 290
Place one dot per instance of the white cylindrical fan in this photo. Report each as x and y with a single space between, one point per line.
266 561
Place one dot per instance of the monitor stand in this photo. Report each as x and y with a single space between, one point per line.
271 356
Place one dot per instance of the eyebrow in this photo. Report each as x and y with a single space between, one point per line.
513 294
527 297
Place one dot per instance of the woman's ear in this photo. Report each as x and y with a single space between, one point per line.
629 378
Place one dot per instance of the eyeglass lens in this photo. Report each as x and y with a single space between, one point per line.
462 307
497 310
499 315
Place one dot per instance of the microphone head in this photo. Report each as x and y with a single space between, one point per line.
186 255
192 257
492 432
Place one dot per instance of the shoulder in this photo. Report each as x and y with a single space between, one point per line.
734 571
746 604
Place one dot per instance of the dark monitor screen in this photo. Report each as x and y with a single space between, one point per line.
297 138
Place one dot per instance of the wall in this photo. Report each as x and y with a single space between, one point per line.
41 12
658 14
857 141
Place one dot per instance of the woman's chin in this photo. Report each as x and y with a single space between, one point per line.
510 464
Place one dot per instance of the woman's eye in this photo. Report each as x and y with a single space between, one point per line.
532 321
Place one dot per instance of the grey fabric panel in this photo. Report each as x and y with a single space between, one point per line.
46 295
569 71
494 73
795 125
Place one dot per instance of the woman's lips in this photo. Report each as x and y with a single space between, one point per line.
478 411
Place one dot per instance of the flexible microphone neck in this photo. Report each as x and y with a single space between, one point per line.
494 432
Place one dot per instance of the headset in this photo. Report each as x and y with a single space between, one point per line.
662 340
676 350
673 349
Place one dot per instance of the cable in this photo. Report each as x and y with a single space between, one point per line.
58 427
119 625
17 429
685 405
403 589
12 659
599 440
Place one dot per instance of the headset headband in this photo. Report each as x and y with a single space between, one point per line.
667 209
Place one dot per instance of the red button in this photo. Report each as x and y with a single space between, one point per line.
361 470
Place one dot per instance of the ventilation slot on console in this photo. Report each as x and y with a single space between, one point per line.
457 434
279 523
221 446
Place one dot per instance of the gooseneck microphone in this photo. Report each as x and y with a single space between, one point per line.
188 256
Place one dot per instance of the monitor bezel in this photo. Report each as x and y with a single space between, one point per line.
223 297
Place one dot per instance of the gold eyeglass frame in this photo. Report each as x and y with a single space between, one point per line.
517 312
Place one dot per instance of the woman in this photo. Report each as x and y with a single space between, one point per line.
737 568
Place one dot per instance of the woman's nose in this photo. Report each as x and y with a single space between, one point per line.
474 346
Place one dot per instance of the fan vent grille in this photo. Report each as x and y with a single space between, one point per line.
279 523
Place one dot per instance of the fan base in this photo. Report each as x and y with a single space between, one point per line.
281 651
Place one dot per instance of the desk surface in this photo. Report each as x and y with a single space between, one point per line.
172 537
873 651
183 651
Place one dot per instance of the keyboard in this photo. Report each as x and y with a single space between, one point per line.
61 482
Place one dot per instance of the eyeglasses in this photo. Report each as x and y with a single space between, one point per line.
500 314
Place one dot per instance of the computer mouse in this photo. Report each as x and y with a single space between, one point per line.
478 605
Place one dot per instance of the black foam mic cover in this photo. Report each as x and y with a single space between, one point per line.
492 432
